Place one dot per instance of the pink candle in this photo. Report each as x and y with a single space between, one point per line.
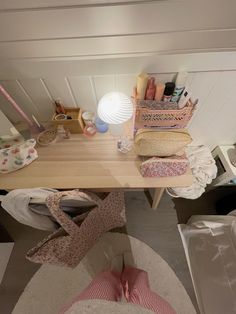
14 104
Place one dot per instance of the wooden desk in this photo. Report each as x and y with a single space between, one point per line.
92 163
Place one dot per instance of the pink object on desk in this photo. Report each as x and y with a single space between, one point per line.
164 167
147 116
90 130
160 87
151 89
14 104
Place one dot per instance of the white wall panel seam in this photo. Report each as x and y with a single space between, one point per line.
93 89
107 21
201 107
71 91
27 95
78 6
46 89
189 31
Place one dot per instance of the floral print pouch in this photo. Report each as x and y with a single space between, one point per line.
164 167
17 156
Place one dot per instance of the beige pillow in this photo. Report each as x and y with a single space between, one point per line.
161 143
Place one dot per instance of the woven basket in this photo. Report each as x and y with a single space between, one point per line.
161 143
152 114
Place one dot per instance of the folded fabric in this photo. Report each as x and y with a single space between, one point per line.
203 169
19 204
164 167
17 156
70 243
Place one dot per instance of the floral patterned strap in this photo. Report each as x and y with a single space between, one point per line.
53 204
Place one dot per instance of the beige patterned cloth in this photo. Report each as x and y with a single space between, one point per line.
66 283
70 243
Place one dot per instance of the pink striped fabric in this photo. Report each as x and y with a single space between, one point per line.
134 282
137 290
106 286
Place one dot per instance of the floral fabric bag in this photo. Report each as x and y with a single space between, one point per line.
69 244
15 155
164 167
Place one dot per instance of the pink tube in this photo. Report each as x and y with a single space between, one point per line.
14 104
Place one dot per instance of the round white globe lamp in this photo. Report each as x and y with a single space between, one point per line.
116 108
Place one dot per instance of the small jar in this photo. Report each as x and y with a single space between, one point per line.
90 130
101 126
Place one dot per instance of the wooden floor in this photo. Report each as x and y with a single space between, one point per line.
158 229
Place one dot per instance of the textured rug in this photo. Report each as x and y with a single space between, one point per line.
52 286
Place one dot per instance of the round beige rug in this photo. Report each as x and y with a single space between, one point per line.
52 286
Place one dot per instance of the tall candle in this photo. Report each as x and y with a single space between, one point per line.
142 81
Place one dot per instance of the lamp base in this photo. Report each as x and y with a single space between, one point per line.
124 144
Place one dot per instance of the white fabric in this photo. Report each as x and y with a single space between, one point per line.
204 171
18 203
210 248
41 297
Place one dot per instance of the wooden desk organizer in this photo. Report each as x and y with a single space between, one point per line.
74 125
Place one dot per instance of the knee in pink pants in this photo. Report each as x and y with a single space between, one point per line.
134 282
105 286
137 290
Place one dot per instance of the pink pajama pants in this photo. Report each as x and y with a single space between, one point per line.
135 285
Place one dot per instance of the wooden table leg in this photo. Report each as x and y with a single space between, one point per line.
157 197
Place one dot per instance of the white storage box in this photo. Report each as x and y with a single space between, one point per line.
209 243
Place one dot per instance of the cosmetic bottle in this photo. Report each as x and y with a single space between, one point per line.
184 99
160 87
151 89
169 89
179 86
101 126
142 81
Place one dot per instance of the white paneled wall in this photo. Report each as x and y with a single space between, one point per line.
78 50
80 29
214 121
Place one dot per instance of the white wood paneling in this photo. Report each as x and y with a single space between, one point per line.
82 88
59 90
213 122
194 62
69 29
78 50
103 84
41 97
125 83
120 45
201 86
7 109
16 90
143 18
46 4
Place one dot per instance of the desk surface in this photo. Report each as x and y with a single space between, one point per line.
86 163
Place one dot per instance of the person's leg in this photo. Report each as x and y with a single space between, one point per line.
106 286
137 290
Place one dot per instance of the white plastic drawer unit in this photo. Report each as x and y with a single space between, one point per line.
226 171
209 243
